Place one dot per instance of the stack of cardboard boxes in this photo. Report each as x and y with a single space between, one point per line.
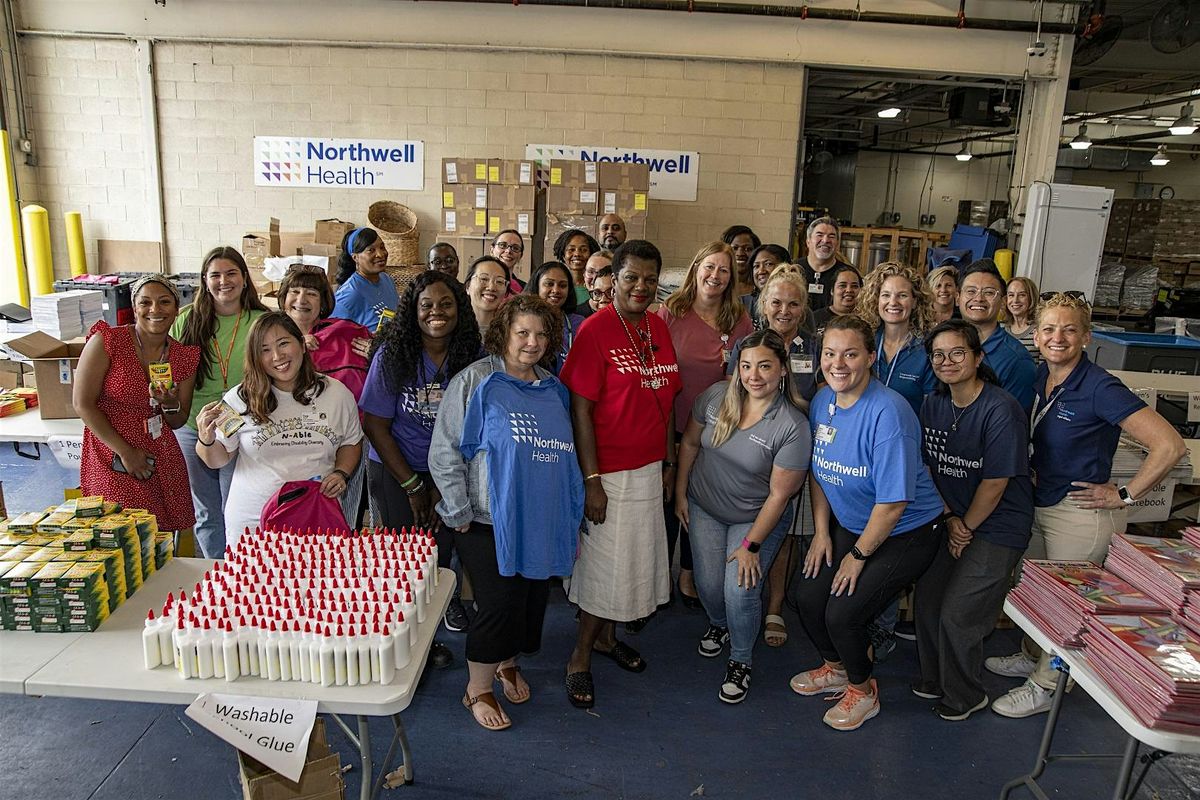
483 196
324 240
580 193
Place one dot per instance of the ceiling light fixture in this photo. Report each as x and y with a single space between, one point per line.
888 113
965 153
1186 124
1081 140
1160 159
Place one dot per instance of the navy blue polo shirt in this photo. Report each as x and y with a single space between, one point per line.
966 446
803 362
1009 359
1077 436
909 373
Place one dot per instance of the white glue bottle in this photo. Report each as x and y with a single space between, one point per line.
385 655
253 648
314 654
339 657
299 650
243 646
305 651
353 673
204 652
185 650
271 668
327 672
363 649
150 651
215 643
166 650
413 609
285 653
229 653
402 643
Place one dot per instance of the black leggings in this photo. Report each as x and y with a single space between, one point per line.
837 626
392 502
511 610
675 531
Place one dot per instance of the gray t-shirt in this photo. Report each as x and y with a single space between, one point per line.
731 482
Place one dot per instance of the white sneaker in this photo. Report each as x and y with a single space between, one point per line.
1024 701
1018 665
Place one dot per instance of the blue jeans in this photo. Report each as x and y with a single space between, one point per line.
210 487
728 605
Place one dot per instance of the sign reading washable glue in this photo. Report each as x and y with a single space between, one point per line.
349 163
674 174
273 730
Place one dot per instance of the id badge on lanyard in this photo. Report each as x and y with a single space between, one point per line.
154 426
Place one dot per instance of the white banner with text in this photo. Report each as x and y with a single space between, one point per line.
674 174
346 163
273 730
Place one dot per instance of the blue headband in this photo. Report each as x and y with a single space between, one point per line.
350 241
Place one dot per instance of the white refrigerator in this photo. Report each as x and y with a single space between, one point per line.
1062 238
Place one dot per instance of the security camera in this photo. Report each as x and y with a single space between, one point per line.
1038 48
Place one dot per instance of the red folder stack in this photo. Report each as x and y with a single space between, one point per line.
1191 535
1191 611
1162 568
1060 595
1153 663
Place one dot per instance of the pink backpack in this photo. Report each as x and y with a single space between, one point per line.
300 505
335 354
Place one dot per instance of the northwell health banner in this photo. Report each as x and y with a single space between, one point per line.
673 173
344 163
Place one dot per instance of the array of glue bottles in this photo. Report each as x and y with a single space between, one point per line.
342 610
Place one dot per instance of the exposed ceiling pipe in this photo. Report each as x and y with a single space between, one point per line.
801 12
1170 101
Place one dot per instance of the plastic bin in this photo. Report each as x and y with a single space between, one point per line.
118 301
1146 352
982 242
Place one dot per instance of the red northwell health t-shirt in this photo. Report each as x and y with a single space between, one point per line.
630 416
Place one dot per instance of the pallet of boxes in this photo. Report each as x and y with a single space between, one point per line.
482 197
580 193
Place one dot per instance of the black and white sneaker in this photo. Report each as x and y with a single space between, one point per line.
737 682
954 715
456 619
713 641
906 630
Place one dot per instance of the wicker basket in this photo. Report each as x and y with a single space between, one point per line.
402 276
396 224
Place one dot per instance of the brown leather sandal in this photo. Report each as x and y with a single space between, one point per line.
508 682
489 700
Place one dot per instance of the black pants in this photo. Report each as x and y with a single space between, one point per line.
393 505
511 610
957 602
676 532
837 626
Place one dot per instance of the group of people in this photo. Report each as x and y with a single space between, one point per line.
780 424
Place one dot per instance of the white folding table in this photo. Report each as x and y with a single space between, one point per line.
1074 666
107 665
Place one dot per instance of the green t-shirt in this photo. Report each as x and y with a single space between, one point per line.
214 387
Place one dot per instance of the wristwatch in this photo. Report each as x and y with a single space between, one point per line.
1126 497
751 547
858 554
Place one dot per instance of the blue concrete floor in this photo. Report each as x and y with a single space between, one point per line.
661 734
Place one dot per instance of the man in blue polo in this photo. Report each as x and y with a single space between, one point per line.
980 298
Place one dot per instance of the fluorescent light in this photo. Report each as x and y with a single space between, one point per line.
889 113
1081 140
1160 159
1186 124
965 153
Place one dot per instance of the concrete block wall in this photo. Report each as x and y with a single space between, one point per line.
213 99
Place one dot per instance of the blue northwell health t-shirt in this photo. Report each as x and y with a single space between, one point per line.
536 488
361 301
874 457
985 440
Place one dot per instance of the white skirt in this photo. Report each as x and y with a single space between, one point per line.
622 571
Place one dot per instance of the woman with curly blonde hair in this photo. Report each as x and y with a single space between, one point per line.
899 306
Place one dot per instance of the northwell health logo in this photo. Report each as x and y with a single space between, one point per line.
352 163
524 426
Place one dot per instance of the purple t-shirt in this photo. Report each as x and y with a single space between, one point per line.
412 410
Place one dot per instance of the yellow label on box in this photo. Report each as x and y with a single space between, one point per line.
160 374
493 224
639 201
493 174
447 199
480 218
481 171
556 176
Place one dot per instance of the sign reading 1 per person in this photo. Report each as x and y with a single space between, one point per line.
346 163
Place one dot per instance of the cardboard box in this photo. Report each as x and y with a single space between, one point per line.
320 780
503 219
464 170
509 172
468 249
12 373
635 228
464 221
510 198
618 175
54 363
572 200
116 255
557 223
465 195
580 174
331 231
257 246
330 251
626 203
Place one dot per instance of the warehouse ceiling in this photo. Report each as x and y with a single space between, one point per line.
1117 67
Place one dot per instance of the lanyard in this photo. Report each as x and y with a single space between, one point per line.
881 356
568 333
223 361
1036 416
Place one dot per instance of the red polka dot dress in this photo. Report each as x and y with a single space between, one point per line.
125 400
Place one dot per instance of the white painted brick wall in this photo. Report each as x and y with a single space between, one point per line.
213 99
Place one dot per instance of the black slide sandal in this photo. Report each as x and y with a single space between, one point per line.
580 685
625 656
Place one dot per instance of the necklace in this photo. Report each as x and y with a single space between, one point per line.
958 412
643 350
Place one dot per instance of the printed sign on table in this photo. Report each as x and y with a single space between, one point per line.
272 730
674 174
68 450
350 163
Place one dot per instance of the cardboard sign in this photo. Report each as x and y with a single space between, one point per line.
1155 506
274 731
1193 407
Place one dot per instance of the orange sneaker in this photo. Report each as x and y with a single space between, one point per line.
853 709
817 681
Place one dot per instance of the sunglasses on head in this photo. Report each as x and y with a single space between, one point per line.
1073 294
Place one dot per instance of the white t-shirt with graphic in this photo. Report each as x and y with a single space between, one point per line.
298 443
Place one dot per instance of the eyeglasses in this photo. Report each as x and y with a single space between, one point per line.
600 294
956 356
514 248
974 291
438 263
1073 294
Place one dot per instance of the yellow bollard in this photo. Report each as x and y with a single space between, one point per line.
13 228
36 223
74 221
1004 262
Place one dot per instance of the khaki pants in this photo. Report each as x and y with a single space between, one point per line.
1063 532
